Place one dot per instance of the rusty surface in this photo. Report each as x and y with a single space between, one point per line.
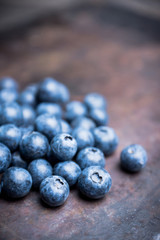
117 54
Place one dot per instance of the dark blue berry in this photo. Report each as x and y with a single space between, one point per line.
28 115
94 182
69 170
18 161
133 158
99 116
95 100
54 190
50 108
83 122
27 97
48 125
83 137
39 170
64 94
11 113
90 156
105 139
8 83
10 135
65 127
16 182
64 147
33 145
8 95
75 109
5 157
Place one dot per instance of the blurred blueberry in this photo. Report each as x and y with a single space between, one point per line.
105 139
69 170
90 156
83 137
17 182
28 115
27 97
8 95
94 182
18 161
5 158
64 94
65 127
95 100
54 190
33 88
75 109
11 113
33 145
8 83
133 158
48 125
50 108
83 122
64 147
99 116
39 170
10 135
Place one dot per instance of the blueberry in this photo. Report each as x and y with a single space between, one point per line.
8 95
8 83
39 170
64 94
83 137
99 116
10 135
28 114
26 129
69 170
18 161
90 156
64 147
33 145
5 157
48 90
27 97
133 158
105 139
83 122
16 182
75 109
94 182
11 113
50 108
54 190
33 88
95 100
65 127
48 125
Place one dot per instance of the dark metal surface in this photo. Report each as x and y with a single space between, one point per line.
117 54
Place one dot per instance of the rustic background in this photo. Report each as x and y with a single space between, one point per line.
114 51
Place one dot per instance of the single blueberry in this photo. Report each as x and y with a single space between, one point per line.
39 170
10 135
95 100
64 146
64 94
69 170
54 190
18 161
48 90
28 114
75 109
11 113
133 158
90 156
99 116
105 139
8 83
65 127
16 182
27 97
94 182
5 158
48 125
50 108
83 137
8 95
33 88
33 145
83 122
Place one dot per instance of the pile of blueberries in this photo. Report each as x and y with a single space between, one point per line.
50 143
